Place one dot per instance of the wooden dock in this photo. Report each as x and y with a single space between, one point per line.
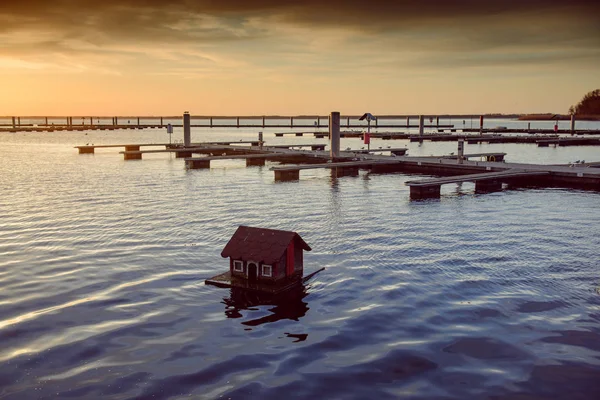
488 175
484 182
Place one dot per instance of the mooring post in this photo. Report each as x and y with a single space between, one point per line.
572 124
138 122
46 120
529 127
238 122
481 125
14 121
421 124
334 134
260 140
461 150
263 121
347 122
291 122
186 129
161 121
407 122
19 121
437 122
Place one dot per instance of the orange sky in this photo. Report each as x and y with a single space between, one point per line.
146 57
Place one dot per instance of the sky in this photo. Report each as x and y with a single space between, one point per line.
288 57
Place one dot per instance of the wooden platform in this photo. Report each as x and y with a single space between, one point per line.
226 280
90 149
484 182
487 156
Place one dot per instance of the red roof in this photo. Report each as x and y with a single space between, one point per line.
261 245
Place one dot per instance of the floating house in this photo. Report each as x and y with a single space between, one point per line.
263 259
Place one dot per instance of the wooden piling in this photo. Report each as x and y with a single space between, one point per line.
461 150
197 163
424 192
572 124
488 186
421 124
481 125
334 134
187 137
255 161
288 175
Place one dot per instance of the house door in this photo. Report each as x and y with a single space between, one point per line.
252 272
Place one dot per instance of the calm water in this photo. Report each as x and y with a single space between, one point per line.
102 264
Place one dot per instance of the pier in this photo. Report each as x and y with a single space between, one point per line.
488 174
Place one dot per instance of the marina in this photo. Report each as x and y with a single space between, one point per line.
127 248
488 174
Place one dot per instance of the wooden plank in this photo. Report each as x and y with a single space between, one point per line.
511 173
243 156
334 165
365 151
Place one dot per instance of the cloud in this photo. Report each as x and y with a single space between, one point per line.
276 31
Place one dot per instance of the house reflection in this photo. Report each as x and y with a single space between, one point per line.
286 305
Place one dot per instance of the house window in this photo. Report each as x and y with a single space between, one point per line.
267 270
238 266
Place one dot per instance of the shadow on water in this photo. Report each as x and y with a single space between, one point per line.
286 305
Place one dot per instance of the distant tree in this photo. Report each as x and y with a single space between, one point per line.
589 105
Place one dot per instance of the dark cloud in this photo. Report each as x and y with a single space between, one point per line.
439 25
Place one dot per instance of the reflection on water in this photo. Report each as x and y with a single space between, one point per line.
286 305
470 296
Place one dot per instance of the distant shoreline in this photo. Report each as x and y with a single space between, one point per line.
553 117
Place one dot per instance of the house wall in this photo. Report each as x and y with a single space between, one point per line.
281 266
238 274
298 259
277 271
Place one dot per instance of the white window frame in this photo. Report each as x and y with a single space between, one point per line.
238 263
262 270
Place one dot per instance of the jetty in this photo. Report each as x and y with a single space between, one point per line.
488 171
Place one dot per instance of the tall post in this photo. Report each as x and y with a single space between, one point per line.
481 125
461 150
529 127
138 122
572 124
19 121
421 124
260 140
334 134
46 120
91 122
263 121
348 122
437 122
407 122
291 122
14 121
186 129
161 121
